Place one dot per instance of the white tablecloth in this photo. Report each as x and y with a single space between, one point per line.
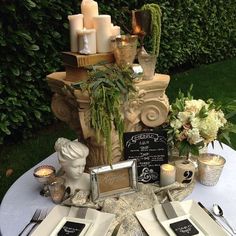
23 197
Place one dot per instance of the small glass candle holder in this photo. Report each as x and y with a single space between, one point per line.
43 174
210 167
57 189
167 174
125 49
148 63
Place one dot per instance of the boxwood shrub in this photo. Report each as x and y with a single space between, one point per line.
34 32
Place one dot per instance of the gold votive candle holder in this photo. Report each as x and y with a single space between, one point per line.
210 167
125 49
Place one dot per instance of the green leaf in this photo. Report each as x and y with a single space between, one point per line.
203 112
4 128
34 47
15 71
37 114
184 148
31 4
24 35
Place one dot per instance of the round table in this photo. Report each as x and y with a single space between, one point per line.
21 200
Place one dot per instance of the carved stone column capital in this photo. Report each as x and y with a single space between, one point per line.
148 109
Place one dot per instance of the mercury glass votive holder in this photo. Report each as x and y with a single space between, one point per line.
210 167
43 174
57 189
125 49
148 63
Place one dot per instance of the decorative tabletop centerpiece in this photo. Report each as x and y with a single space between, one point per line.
193 124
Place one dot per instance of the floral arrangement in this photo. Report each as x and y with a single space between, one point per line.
194 123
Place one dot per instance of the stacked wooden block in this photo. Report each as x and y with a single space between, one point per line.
76 64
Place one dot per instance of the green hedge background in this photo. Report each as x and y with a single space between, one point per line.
34 32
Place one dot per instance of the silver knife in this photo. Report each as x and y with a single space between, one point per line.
213 217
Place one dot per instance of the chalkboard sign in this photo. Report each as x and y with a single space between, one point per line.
71 228
149 148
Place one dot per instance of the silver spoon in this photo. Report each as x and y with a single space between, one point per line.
219 212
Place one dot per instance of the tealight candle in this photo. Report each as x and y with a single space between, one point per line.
102 24
167 174
43 171
89 9
87 41
43 174
76 23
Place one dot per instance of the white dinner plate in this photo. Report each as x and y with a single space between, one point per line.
100 226
150 223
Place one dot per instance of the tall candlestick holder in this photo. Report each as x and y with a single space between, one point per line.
141 24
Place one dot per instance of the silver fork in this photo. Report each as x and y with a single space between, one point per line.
41 217
34 219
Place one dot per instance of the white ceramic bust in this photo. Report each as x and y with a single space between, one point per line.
72 158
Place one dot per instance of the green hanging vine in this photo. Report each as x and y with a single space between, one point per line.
155 25
108 88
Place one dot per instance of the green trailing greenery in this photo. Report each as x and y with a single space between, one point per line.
108 88
155 26
34 32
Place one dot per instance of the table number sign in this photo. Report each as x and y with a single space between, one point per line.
149 148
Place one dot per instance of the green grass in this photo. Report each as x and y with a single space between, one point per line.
215 81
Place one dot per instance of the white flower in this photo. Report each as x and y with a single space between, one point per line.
221 117
210 125
195 122
185 116
194 106
194 136
176 124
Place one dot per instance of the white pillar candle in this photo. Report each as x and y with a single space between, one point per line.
89 9
115 30
76 23
167 174
102 24
87 41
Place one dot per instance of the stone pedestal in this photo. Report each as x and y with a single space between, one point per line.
147 110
